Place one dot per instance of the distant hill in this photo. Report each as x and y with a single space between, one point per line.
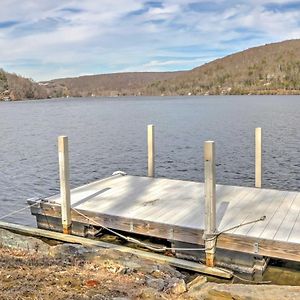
14 87
268 69
118 84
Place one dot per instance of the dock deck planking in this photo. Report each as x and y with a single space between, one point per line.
268 209
288 222
260 204
245 210
239 209
174 208
294 235
279 215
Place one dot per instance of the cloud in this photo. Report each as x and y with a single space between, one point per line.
47 39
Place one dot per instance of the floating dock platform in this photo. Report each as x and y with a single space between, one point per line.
174 210
231 226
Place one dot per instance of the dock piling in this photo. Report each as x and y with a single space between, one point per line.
258 157
63 157
151 151
210 201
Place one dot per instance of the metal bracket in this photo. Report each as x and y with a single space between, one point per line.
131 227
256 248
171 234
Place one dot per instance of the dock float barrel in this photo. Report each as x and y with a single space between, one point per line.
151 151
258 157
64 175
210 202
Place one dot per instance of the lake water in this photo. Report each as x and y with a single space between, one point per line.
109 134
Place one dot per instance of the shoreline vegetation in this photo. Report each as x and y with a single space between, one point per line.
272 69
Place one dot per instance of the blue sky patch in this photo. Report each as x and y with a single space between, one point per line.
206 6
156 4
72 10
283 7
7 24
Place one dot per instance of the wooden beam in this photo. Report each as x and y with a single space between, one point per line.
240 243
210 201
176 262
151 150
63 157
258 157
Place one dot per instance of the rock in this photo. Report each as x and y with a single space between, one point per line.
196 284
179 287
149 293
157 284
222 295
121 262
170 270
67 250
158 274
97 297
215 291
12 240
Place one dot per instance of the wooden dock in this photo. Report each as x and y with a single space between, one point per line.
242 225
174 210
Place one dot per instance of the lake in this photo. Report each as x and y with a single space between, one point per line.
109 134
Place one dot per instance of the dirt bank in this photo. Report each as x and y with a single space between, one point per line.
32 269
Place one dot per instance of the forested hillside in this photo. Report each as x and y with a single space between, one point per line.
14 87
269 69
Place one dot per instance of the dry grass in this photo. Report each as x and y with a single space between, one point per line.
24 276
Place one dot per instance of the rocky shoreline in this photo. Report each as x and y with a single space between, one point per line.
36 269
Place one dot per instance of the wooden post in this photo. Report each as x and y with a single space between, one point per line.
210 201
151 151
63 157
258 157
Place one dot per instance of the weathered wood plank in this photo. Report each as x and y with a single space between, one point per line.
210 201
151 150
180 263
63 157
258 157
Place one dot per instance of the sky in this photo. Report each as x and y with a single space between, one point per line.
46 39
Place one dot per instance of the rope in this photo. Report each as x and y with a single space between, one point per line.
162 249
19 210
243 224
217 234
159 249
127 238
250 281
140 243
244 279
